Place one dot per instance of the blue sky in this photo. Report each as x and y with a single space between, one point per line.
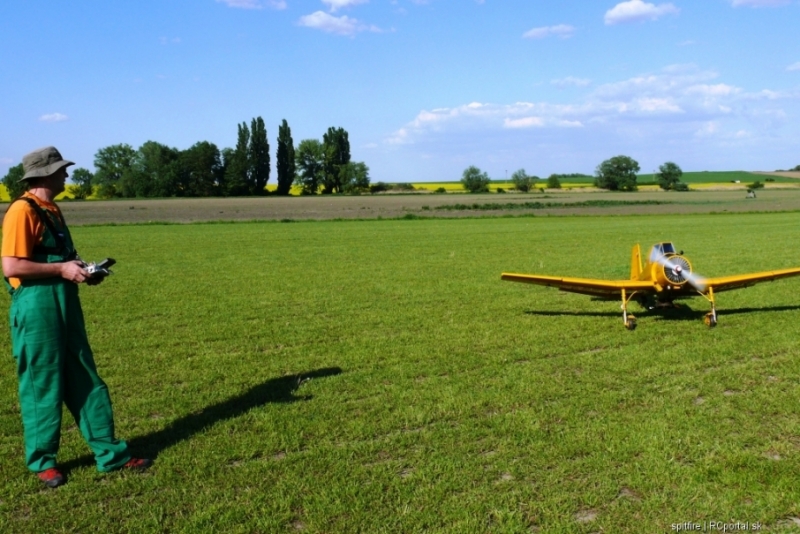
425 88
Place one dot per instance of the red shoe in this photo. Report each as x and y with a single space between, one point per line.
52 477
138 464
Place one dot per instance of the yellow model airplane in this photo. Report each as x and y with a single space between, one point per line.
666 276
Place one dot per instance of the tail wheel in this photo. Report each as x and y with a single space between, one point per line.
710 320
630 324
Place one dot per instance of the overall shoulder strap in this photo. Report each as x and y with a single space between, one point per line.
48 222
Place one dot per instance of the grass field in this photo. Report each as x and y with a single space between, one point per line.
377 376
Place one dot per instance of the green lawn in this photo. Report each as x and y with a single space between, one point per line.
377 376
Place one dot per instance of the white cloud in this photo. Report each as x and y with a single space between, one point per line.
525 122
254 4
565 31
53 117
636 11
795 66
571 81
343 25
339 4
681 96
760 3
719 89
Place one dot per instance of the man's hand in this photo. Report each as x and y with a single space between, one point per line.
74 271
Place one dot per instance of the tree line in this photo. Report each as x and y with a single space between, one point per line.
203 170
615 174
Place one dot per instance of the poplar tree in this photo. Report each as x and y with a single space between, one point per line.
337 154
258 157
285 159
237 168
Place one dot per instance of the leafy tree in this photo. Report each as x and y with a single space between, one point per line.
617 173
553 182
12 181
258 157
797 168
112 163
154 172
82 178
522 182
237 175
310 160
354 177
336 145
285 159
669 175
755 185
474 180
201 170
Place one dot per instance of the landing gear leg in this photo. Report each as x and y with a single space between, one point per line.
711 317
629 320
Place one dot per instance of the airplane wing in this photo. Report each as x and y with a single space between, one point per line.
585 286
726 283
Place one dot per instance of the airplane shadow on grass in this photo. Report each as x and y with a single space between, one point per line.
684 313
275 390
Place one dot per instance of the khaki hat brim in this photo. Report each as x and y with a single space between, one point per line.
46 171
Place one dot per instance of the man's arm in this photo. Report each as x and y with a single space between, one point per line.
14 267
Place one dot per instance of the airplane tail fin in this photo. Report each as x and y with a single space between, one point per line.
636 262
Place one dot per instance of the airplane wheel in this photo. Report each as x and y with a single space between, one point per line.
710 320
630 324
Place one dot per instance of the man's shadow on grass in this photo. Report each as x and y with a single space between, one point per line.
683 313
275 390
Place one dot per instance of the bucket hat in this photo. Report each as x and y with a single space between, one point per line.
43 162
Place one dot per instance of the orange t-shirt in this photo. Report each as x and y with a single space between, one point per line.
23 229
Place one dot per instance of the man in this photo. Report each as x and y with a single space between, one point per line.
48 336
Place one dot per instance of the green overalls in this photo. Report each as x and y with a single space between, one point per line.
55 363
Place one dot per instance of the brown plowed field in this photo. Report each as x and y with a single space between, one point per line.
187 210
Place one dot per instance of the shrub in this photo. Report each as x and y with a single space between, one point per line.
553 182
441 190
521 180
680 186
501 190
378 187
755 185
474 180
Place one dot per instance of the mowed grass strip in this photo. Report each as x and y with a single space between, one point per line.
377 376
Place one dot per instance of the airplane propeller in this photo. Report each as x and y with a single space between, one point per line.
679 270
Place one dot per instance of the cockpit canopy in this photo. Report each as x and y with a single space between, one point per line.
664 249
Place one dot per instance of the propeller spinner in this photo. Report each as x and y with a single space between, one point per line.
678 270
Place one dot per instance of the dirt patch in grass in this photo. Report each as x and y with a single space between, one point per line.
188 210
